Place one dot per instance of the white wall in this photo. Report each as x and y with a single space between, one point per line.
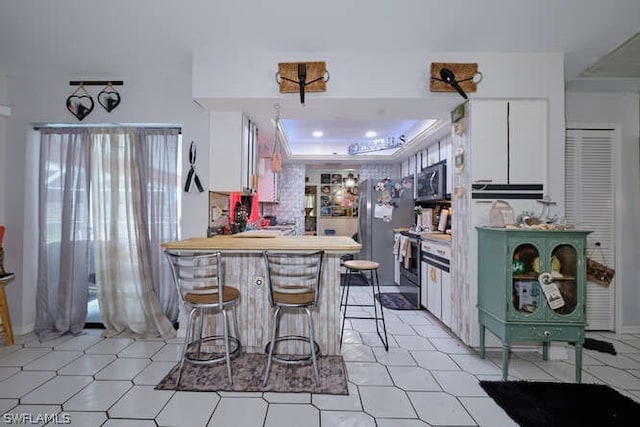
622 109
156 90
379 78
3 145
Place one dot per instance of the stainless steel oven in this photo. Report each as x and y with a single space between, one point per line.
410 272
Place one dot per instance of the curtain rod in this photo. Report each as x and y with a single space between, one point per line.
38 126
96 82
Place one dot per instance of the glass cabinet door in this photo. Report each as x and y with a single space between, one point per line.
527 297
563 268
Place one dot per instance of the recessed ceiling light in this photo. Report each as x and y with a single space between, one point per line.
317 134
370 134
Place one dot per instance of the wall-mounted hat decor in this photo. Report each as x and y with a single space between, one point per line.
80 103
458 77
109 98
302 77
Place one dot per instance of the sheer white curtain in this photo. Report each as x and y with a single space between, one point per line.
108 197
124 279
63 224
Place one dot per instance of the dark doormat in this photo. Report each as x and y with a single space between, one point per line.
395 301
356 279
563 404
597 345
247 371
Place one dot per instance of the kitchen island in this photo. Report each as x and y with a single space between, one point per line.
245 269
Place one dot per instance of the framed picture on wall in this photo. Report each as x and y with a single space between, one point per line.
325 178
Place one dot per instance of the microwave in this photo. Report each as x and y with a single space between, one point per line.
431 183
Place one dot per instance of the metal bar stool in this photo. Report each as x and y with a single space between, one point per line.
198 279
362 267
5 328
294 285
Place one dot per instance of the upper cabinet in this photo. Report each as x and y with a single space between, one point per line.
508 141
233 152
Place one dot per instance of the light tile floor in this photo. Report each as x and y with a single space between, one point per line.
426 378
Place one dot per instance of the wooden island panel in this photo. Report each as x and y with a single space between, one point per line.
243 264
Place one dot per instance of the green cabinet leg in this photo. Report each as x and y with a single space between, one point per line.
545 350
505 361
578 351
482 331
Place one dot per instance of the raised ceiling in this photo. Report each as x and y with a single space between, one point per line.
74 35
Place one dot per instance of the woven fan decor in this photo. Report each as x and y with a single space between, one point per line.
315 71
461 71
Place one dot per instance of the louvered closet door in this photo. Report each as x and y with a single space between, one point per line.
589 203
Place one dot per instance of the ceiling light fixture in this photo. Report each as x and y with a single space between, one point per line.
370 134
317 134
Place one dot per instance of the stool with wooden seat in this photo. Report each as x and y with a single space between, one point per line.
294 285
198 278
362 267
5 328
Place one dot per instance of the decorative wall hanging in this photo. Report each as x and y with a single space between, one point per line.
80 103
302 77
192 176
450 77
377 144
109 98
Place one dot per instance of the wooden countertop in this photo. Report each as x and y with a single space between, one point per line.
341 244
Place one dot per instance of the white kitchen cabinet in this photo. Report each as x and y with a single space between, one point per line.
508 141
436 277
396 263
434 291
424 284
233 152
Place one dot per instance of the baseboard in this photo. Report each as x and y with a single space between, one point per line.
630 330
24 330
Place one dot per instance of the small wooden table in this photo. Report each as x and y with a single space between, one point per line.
5 328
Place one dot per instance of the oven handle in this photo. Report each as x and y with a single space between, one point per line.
436 258
444 267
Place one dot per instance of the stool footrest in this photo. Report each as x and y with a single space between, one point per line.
193 356
363 317
292 359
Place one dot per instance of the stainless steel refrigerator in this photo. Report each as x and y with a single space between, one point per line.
376 235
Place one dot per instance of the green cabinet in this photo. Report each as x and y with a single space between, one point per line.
531 287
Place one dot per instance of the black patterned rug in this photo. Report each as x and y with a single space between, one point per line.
395 301
537 404
247 371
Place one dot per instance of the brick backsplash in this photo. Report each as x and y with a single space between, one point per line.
291 206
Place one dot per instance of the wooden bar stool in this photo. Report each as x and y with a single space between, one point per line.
294 285
198 280
5 328
362 267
